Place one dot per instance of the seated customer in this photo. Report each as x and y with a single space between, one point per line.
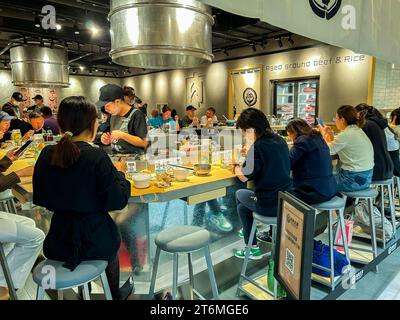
156 120
209 120
50 122
33 126
395 121
168 120
190 119
311 163
18 232
5 122
80 184
354 149
267 163
374 127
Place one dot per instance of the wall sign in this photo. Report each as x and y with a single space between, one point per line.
250 97
325 9
194 90
293 254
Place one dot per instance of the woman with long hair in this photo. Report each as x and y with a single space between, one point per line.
80 184
311 164
354 150
267 163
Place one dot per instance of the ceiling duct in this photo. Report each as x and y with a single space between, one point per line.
161 34
33 65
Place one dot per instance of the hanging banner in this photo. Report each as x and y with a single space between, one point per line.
365 26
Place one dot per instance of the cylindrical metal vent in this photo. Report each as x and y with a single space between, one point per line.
161 34
36 66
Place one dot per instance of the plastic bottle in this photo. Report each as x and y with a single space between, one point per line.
271 280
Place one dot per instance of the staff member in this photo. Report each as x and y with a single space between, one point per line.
127 124
14 104
39 103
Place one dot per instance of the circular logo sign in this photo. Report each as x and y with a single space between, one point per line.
326 9
250 97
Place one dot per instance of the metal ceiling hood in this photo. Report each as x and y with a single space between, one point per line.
33 65
161 34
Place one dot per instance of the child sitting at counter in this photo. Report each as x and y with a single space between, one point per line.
267 163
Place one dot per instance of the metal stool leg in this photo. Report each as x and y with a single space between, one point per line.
211 275
106 287
86 294
175 276
60 295
3 206
383 215
191 277
11 206
185 214
344 235
331 243
154 273
247 255
40 293
7 274
373 233
164 219
392 210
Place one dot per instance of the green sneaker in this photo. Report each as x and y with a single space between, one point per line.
241 235
255 254
219 221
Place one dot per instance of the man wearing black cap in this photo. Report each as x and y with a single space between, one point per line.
39 103
127 125
190 119
13 104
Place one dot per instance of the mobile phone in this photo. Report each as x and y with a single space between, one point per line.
21 150
321 122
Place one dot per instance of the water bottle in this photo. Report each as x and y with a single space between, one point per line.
271 281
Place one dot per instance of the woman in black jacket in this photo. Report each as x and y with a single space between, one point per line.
374 128
311 164
80 184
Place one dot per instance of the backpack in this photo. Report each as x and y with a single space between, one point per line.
322 258
361 218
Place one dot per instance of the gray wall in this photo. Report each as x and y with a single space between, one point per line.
341 83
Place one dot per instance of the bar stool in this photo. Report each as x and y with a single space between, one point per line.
389 186
7 274
7 203
396 182
52 274
184 239
369 195
335 204
271 221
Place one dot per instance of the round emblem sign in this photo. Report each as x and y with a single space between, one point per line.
326 9
250 97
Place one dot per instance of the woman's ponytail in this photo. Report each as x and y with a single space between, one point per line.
65 153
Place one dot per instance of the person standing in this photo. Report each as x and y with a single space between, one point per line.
14 104
128 128
39 103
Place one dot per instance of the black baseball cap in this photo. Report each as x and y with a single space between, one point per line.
18 96
109 93
188 108
37 97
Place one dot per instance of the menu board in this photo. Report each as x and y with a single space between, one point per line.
294 246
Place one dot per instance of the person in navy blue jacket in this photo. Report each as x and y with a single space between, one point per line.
311 164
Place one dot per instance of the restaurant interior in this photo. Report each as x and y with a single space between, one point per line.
208 63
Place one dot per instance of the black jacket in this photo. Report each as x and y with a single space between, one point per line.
267 163
80 197
312 165
374 128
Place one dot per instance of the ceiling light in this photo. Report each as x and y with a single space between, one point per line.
76 28
96 70
94 30
82 68
58 26
37 22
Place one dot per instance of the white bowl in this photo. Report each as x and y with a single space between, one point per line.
141 180
181 174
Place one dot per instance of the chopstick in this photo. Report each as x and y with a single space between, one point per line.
182 167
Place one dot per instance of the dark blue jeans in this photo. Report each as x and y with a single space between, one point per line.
247 204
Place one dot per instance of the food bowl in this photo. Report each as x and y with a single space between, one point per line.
141 180
230 123
202 169
181 174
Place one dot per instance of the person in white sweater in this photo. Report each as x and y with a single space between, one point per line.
354 150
